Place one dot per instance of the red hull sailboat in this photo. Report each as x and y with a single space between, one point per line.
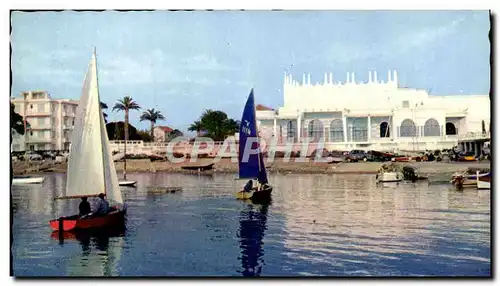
91 169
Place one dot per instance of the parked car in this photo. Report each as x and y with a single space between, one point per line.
469 156
358 155
35 157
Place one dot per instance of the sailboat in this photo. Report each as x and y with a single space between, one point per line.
254 167
91 169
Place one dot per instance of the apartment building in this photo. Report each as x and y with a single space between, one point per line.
50 121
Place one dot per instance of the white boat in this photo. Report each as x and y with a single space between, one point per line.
388 177
22 180
389 173
483 180
127 183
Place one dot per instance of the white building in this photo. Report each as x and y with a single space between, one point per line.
50 121
377 114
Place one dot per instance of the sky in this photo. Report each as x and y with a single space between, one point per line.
185 62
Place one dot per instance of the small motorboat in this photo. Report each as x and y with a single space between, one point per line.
410 173
127 183
483 180
389 173
22 180
114 218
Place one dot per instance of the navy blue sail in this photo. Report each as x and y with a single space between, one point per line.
253 167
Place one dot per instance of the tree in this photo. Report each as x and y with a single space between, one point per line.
104 114
216 124
126 104
174 134
152 116
16 122
196 126
116 131
145 135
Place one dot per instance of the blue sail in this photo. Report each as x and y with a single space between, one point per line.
254 166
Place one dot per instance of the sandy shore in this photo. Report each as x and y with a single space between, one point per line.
436 170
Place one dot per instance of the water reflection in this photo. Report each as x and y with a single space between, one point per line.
317 225
251 232
101 251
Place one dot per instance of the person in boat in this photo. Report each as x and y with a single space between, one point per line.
249 187
102 206
84 207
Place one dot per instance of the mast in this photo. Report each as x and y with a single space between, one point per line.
100 114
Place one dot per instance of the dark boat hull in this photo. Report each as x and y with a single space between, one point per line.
200 167
114 218
263 196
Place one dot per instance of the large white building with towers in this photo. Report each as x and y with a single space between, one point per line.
377 115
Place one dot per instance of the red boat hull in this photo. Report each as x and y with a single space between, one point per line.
112 219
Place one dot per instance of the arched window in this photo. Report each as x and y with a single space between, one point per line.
431 127
358 130
337 131
315 130
451 129
408 128
384 130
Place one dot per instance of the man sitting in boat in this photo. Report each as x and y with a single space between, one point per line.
84 207
102 206
249 187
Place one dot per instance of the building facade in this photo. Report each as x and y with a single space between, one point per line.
377 115
50 121
161 133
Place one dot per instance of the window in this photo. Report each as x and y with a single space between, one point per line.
315 130
31 133
406 104
337 131
432 128
384 130
408 128
31 106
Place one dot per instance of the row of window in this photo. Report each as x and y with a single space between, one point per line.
407 129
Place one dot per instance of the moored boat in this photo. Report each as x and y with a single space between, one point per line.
127 183
94 173
22 180
483 180
251 165
389 173
410 173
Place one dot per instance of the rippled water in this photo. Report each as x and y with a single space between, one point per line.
336 225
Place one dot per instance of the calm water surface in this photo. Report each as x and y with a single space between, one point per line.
336 225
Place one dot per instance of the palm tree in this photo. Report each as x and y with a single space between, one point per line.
196 126
126 104
152 116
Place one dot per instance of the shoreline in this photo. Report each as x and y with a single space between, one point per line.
430 169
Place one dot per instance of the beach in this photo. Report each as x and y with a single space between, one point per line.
435 170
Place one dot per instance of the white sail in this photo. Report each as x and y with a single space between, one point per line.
113 192
85 165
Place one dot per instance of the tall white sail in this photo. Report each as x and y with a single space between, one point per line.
113 192
86 174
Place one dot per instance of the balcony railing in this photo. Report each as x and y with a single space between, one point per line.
42 127
39 140
474 136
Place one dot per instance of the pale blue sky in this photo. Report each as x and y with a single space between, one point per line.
185 62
